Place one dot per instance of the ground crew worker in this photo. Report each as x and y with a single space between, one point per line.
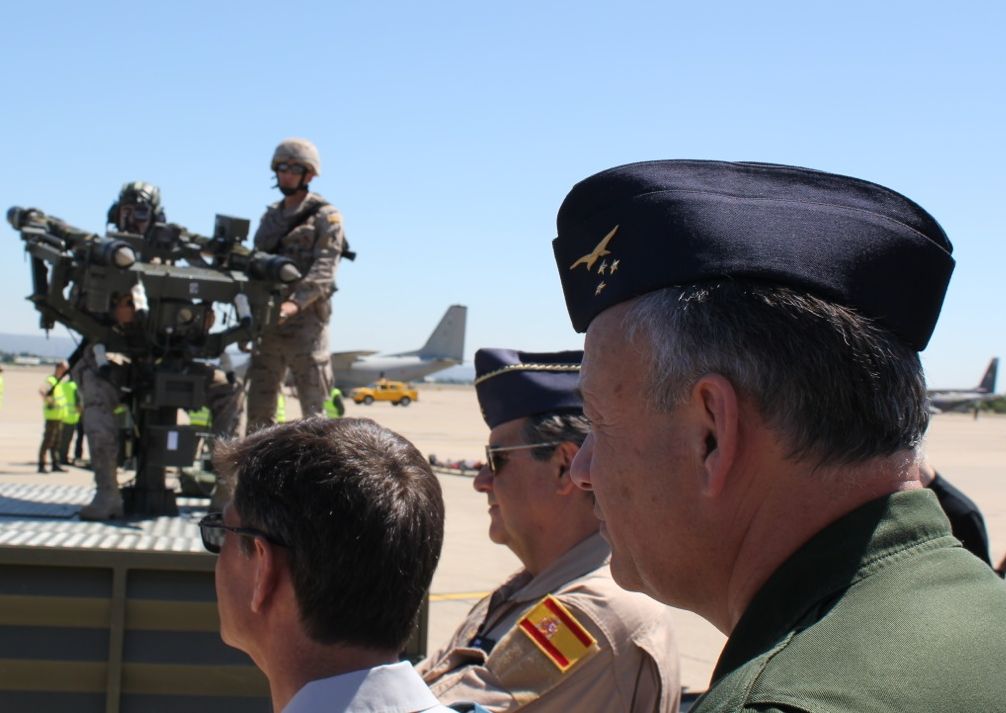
559 635
53 405
304 227
280 408
334 406
201 417
71 418
757 403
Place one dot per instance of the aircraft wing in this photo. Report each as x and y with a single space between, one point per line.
345 360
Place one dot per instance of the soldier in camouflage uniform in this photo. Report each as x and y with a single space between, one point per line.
136 210
305 228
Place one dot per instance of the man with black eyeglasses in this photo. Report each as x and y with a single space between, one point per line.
325 554
304 227
560 634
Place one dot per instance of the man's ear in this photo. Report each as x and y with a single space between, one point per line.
564 454
267 565
716 403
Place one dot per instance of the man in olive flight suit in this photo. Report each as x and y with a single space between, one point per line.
304 227
757 403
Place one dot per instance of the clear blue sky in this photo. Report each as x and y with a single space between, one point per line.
450 132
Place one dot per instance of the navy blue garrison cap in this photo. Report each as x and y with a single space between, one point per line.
645 226
512 384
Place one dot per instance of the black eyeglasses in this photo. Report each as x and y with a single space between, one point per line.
212 530
294 168
496 459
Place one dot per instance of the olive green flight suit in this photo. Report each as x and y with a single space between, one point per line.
881 611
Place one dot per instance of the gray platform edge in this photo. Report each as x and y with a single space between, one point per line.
40 515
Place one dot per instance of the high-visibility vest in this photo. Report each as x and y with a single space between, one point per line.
333 408
54 404
280 408
201 417
71 415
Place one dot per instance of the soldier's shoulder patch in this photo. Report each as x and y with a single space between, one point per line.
557 633
335 217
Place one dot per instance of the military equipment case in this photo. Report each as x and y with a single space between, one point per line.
116 618
84 628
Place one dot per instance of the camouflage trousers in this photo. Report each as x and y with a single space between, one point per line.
100 425
301 346
226 402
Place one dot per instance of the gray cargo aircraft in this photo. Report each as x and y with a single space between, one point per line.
443 349
950 399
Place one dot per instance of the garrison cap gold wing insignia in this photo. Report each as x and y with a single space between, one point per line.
599 251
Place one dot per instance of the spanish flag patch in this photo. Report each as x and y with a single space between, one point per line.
557 633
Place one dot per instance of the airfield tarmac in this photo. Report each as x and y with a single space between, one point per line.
446 422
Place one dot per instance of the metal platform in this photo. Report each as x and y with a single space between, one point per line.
42 515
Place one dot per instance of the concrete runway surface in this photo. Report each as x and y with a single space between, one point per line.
446 422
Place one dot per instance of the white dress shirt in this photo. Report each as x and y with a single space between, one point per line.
395 688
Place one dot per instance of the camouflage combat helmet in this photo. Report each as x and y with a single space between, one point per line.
299 151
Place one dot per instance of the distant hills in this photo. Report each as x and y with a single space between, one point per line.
55 347
460 374
37 344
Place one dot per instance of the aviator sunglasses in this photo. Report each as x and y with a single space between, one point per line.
495 454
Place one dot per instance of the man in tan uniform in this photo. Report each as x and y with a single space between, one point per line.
305 228
559 635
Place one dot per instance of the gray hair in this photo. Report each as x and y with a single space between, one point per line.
838 387
555 428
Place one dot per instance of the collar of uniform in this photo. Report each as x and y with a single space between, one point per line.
383 688
309 200
583 558
845 552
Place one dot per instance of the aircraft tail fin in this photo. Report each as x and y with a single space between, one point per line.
448 339
988 383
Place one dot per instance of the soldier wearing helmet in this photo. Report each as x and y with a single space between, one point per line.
304 227
137 208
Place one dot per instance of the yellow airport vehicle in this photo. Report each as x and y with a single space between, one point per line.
397 392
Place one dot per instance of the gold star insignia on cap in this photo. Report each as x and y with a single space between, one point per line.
599 251
603 267
600 288
614 266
